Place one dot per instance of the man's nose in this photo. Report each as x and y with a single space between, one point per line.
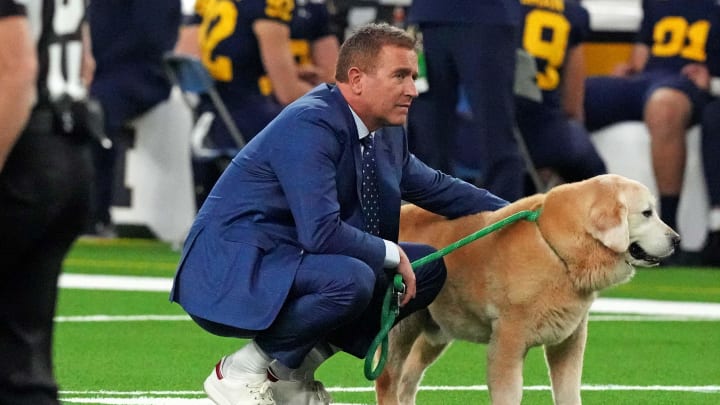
411 89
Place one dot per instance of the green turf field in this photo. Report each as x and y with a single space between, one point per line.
134 347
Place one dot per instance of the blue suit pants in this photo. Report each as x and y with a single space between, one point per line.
336 299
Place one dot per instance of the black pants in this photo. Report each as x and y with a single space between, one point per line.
44 203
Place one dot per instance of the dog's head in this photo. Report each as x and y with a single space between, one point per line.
607 222
627 222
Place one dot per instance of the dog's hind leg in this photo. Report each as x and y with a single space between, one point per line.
424 352
565 361
400 342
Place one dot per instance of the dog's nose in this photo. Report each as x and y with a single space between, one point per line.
675 241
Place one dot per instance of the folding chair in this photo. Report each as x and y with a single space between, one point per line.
191 77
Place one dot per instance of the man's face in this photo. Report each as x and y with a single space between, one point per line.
391 88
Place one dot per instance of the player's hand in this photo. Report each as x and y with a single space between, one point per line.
699 74
408 275
623 70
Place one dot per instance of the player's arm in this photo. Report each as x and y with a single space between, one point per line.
188 42
640 51
324 56
274 42
573 83
18 70
88 61
639 57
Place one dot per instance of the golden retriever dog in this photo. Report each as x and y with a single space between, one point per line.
526 284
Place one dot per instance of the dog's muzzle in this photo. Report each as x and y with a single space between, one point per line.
638 253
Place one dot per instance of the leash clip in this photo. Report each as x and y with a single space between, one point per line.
398 292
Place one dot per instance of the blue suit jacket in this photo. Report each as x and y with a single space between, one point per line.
295 190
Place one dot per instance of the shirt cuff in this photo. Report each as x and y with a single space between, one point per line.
392 255
715 86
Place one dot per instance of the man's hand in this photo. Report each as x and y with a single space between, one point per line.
699 74
408 275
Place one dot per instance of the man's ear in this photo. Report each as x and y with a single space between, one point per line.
355 80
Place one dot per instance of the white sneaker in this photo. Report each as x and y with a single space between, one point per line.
300 393
251 389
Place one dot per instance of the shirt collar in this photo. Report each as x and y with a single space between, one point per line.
362 130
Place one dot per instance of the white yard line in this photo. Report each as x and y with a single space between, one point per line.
184 318
122 318
181 397
369 388
121 283
138 401
651 309
604 309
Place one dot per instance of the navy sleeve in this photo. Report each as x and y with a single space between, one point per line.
322 22
646 26
580 23
280 11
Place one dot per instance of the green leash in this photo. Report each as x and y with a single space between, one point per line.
391 307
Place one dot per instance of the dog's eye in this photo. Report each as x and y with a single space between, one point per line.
647 213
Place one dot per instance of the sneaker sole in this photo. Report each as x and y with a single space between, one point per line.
213 393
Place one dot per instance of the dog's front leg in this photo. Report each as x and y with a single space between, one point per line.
506 355
409 354
565 361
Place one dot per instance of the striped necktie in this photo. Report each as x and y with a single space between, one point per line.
370 195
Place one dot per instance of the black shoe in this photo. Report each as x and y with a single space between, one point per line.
710 253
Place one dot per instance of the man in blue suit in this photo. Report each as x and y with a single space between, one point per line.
279 251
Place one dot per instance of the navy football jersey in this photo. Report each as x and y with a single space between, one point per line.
230 50
310 22
550 30
679 32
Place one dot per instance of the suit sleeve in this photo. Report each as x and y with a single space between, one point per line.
445 195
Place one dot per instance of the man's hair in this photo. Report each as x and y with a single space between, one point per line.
363 46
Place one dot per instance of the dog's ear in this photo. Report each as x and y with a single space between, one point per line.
608 223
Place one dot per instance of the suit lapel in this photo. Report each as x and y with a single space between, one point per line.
384 162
